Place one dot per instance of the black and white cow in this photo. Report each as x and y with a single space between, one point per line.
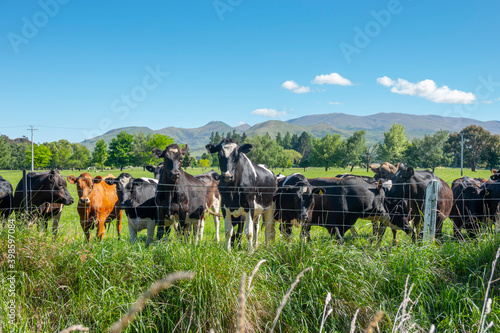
246 189
207 178
6 198
492 200
344 201
181 196
47 194
294 200
136 196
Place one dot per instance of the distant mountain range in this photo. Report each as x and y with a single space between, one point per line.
318 125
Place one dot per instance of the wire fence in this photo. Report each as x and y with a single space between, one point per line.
338 205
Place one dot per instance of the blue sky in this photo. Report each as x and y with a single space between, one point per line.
75 69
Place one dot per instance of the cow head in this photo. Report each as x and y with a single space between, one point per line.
491 195
57 186
384 171
229 153
295 198
172 159
84 186
123 187
155 170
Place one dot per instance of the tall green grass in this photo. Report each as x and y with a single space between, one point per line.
69 281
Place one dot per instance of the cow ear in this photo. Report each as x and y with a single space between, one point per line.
184 149
138 181
71 179
379 185
245 149
215 176
411 171
150 168
496 176
110 181
158 153
97 179
374 168
211 148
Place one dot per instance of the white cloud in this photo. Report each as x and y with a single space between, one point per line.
290 85
334 78
385 81
486 102
268 113
302 90
293 86
428 90
335 103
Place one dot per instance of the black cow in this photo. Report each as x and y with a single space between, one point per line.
492 200
294 200
207 178
467 210
379 223
246 189
47 192
410 186
179 195
343 202
137 197
6 198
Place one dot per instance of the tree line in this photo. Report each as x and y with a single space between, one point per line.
481 149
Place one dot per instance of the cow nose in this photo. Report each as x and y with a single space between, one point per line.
85 200
227 176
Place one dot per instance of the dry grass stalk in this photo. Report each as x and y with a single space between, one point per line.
326 314
487 309
73 328
353 322
240 328
256 268
141 302
374 323
401 320
287 296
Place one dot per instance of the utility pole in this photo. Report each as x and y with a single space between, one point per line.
32 149
462 155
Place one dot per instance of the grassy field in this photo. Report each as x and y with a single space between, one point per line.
68 281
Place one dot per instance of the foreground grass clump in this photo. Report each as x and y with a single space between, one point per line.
65 282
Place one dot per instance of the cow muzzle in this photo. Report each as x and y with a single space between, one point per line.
227 176
174 175
84 200
68 202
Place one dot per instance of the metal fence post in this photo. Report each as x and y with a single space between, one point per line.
25 191
430 211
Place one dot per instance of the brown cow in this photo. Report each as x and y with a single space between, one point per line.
97 204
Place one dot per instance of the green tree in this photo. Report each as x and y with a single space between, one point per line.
369 155
100 153
18 155
205 163
159 141
80 159
294 142
492 153
61 154
279 139
188 160
394 146
353 149
304 145
476 142
42 156
287 141
120 149
429 151
266 151
326 151
5 153
141 151
293 156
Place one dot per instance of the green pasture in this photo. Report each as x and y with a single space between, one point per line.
67 281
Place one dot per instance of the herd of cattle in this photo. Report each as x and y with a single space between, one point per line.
246 192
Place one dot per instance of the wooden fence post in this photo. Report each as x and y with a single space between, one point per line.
430 211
